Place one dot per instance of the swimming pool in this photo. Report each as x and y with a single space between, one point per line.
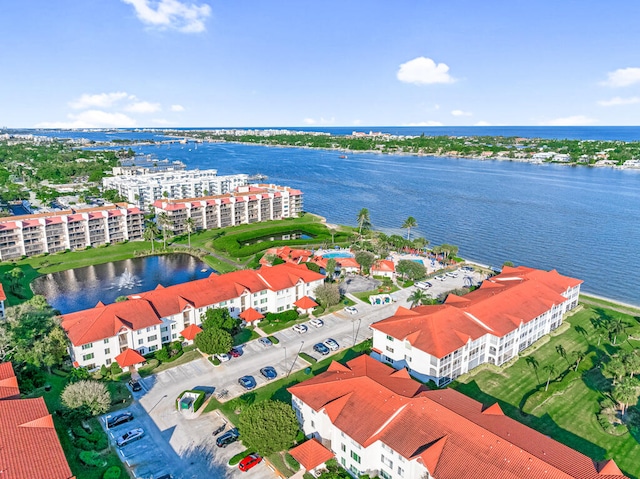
338 254
418 261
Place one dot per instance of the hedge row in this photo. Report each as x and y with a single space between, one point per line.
307 358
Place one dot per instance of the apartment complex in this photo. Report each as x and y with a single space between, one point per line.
378 421
29 445
247 204
143 190
29 235
148 320
492 324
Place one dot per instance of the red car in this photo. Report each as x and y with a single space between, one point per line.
235 352
250 461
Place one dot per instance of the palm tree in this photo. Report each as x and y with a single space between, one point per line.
562 352
615 327
163 219
578 356
631 362
364 221
551 369
417 298
409 223
533 362
191 227
625 392
616 368
150 233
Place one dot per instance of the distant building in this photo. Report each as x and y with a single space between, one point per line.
30 448
492 324
380 422
247 204
40 233
143 190
148 320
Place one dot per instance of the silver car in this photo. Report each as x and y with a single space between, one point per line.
130 436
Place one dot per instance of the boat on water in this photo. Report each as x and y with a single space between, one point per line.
343 157
258 177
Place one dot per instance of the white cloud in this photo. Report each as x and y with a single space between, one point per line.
143 107
92 119
622 77
177 108
172 14
616 101
482 123
424 123
424 71
461 113
575 120
321 121
99 100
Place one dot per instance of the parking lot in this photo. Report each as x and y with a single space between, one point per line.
184 446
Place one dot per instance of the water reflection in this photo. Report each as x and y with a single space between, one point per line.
82 288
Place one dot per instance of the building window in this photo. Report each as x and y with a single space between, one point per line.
343 447
140 341
173 326
174 335
106 341
108 361
389 349
386 461
152 338
87 357
280 309
384 474
165 339
390 338
153 348
107 351
387 359
355 457
343 461
400 471
87 346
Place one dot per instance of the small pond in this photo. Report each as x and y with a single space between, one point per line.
291 235
82 288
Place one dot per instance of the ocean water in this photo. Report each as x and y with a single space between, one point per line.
584 222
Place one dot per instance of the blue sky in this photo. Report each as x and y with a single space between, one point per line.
155 63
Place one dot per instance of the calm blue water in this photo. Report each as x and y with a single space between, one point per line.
82 288
337 255
583 221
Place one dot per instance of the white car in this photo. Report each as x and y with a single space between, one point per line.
130 436
441 278
332 344
452 274
300 328
316 323
223 358
351 310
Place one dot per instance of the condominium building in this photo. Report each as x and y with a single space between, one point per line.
29 235
378 421
247 204
148 320
143 190
492 324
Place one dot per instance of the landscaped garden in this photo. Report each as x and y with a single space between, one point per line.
579 386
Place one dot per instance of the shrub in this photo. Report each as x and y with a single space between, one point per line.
291 462
115 368
84 444
113 472
92 458
238 457
274 340
92 395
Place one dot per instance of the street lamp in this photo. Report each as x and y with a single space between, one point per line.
295 359
355 331
285 357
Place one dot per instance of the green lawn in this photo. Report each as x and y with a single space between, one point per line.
567 411
364 296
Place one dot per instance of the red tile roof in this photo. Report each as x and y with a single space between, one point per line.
499 306
384 265
189 333
8 382
305 303
129 357
311 454
147 309
448 432
3 296
250 315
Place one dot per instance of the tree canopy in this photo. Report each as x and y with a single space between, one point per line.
90 396
328 294
365 259
411 269
214 341
268 426
220 318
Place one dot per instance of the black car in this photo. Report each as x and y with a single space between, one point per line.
113 421
269 372
247 382
135 385
227 438
321 348
219 429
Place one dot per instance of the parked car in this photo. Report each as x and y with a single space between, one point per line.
300 328
113 421
269 372
441 277
332 344
219 429
130 436
265 341
223 358
235 352
247 382
135 385
321 348
250 461
351 310
228 437
316 323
